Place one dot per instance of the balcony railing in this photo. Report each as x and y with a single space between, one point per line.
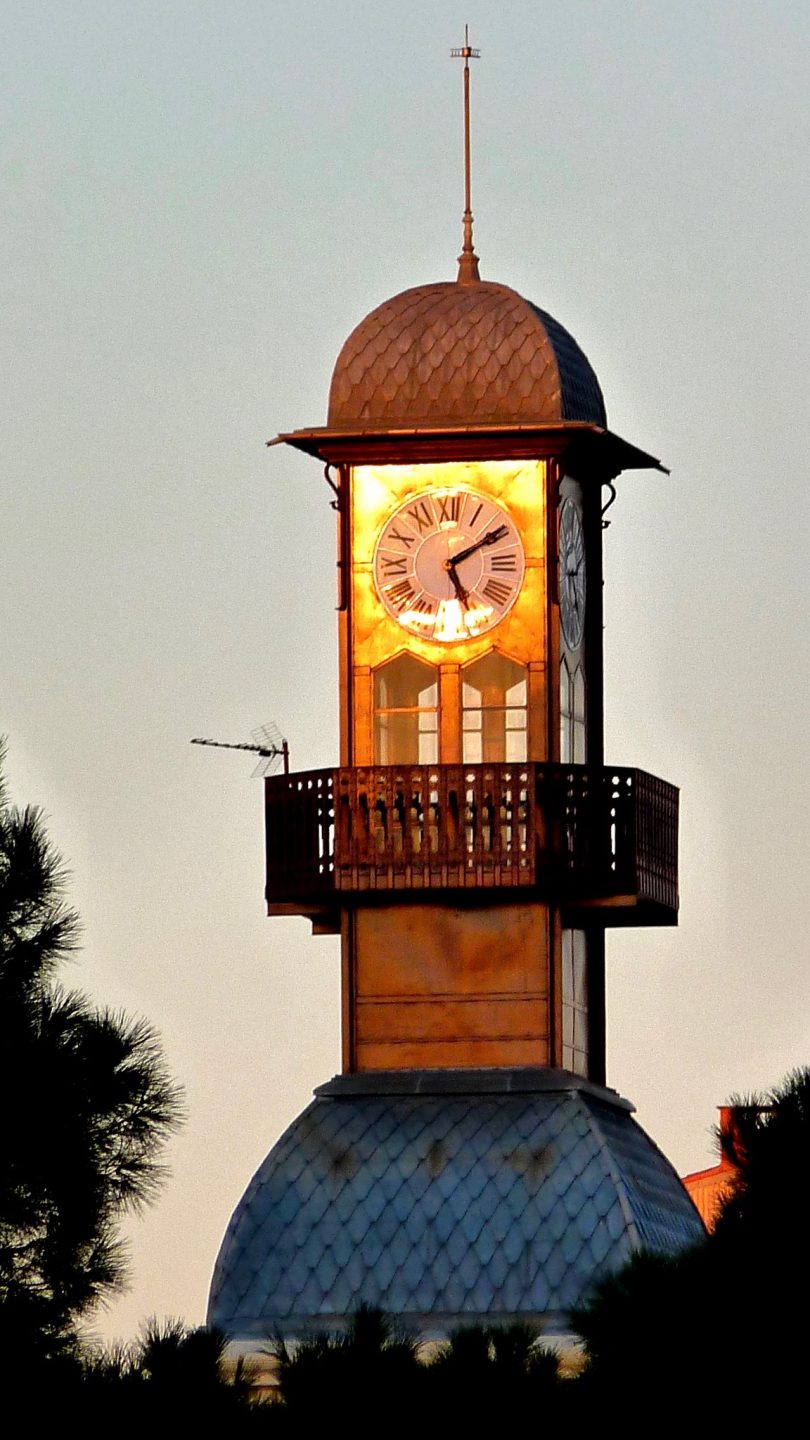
592 838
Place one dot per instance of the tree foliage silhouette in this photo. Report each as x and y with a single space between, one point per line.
373 1368
728 1313
370 1366
86 1105
484 1374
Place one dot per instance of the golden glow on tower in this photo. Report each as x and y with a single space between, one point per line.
503 585
447 566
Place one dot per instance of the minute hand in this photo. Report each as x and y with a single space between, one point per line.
491 538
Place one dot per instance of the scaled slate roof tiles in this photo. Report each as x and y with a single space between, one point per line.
469 1207
454 354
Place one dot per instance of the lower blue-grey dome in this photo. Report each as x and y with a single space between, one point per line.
445 1197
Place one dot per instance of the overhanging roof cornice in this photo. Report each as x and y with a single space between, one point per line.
582 445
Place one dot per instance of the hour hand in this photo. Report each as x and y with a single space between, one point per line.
456 583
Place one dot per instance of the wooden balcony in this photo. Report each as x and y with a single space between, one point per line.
602 842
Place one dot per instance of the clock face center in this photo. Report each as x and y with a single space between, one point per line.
431 563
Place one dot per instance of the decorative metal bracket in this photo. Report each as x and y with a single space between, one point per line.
337 503
612 488
339 490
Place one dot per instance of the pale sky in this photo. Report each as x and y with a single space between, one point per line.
202 200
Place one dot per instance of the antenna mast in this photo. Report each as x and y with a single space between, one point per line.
467 260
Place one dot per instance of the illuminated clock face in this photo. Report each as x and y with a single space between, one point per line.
572 575
448 564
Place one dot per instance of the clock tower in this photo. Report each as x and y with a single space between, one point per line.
470 848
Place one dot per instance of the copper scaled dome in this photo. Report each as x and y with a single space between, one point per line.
461 354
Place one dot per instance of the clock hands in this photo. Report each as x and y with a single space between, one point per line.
491 538
452 562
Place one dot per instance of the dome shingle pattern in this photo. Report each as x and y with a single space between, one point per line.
444 1208
450 354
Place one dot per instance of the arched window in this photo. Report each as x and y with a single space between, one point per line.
573 732
406 713
566 712
493 698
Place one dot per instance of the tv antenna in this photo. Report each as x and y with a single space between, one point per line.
267 743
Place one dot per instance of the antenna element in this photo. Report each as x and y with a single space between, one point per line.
267 742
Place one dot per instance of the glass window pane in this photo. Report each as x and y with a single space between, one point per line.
406 698
428 751
565 688
579 992
401 682
567 949
515 746
566 743
494 690
471 748
579 694
574 985
493 675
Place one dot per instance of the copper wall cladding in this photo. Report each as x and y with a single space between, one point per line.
450 987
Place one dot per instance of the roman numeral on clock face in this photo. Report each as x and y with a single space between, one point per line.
497 592
422 516
394 565
451 507
506 562
401 594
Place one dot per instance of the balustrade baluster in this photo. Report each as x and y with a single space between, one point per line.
435 825
470 820
400 830
452 814
487 827
364 848
416 818
523 825
506 822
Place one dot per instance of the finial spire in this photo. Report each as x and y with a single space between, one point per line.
467 260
